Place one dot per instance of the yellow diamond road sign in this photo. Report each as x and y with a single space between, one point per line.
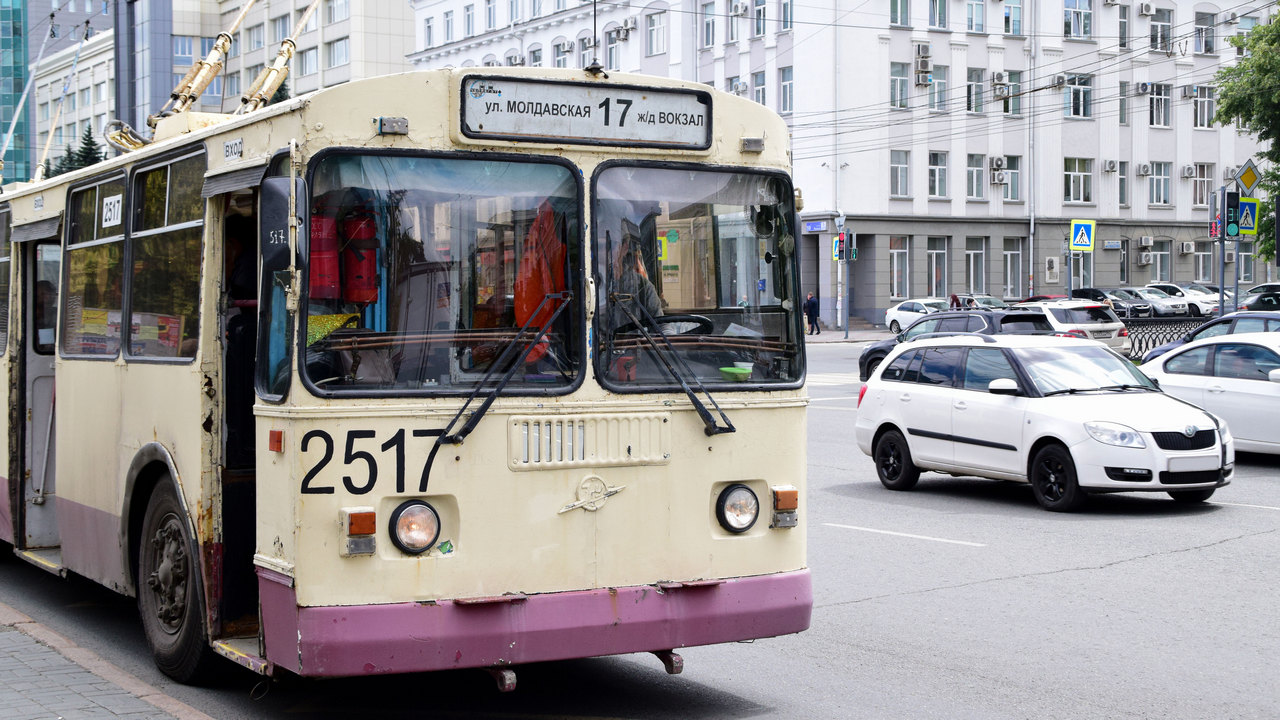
1248 177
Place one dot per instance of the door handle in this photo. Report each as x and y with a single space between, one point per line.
960 405
905 397
1216 389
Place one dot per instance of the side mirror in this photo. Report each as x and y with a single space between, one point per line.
1274 375
1007 386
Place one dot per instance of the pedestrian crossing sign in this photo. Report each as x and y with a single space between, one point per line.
1082 234
1248 216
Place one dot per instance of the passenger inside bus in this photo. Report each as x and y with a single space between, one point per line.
635 298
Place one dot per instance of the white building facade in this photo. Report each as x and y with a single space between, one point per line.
74 90
953 140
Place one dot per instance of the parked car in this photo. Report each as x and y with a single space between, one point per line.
1086 319
1042 298
1236 377
979 300
1261 301
1068 416
1199 301
1162 304
908 311
1229 324
1213 290
985 322
1124 306
1263 288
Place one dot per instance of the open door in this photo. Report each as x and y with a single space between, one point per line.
41 267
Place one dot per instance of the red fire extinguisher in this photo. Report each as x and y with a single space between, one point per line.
360 257
324 278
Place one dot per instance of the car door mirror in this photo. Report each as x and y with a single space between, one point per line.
1007 386
1274 375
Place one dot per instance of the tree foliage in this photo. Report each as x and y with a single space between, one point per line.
281 93
1249 94
89 152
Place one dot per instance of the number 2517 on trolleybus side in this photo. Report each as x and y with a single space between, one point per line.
437 370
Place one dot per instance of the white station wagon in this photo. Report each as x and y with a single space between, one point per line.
1069 416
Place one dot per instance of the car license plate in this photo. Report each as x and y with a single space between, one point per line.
1102 333
1189 464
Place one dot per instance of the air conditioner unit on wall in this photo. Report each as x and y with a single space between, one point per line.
1110 2
924 65
997 162
1144 168
1146 8
1144 258
923 49
924 78
739 87
1143 88
999 78
1186 248
1001 92
1059 80
1189 91
1110 165
999 178
1146 241
1229 172
1188 171
1229 256
738 8
629 23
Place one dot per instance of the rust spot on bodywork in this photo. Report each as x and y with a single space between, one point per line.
208 423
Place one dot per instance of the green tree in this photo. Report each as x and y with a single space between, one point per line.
281 93
64 164
1247 94
89 152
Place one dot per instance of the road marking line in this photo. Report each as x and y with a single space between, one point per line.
906 535
1260 507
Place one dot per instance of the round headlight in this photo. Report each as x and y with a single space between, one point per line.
415 527
737 508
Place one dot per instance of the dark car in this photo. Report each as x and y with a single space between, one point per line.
985 321
1236 322
1261 301
1125 306
1263 288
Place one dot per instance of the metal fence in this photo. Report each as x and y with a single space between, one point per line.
1148 333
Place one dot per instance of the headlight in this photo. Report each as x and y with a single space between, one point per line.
737 508
1110 433
415 526
1223 430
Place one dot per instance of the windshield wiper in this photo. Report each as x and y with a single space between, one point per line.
1128 387
1068 391
712 427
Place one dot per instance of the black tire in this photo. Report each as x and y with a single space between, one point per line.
894 327
872 364
170 592
1193 309
1053 480
893 462
1192 496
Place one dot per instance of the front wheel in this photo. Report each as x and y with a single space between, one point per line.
1053 480
1193 309
893 462
894 327
170 595
1192 496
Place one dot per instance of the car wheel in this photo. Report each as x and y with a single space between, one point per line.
872 364
1194 310
1192 496
1053 480
893 462
894 327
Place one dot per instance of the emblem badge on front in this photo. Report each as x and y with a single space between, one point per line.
1190 430
592 494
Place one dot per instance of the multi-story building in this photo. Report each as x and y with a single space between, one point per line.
73 91
953 140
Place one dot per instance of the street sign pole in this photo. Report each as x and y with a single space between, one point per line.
1221 197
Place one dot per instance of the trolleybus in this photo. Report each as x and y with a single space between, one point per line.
463 368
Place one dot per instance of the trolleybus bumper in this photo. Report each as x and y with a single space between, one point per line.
511 630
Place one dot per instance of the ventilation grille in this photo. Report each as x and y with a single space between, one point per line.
568 441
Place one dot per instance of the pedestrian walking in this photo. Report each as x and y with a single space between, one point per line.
811 313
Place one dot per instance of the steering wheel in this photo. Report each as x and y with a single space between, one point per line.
675 325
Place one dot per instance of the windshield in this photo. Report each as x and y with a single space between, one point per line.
1090 315
1079 367
422 270
1196 287
1153 294
703 260
988 301
935 305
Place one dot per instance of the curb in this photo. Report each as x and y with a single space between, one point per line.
94 663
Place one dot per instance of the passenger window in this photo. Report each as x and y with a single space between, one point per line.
924 326
984 365
912 373
92 303
898 368
1245 362
1192 362
975 323
1214 330
939 366
952 324
1248 325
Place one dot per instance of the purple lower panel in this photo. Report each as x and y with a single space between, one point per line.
413 637
91 543
6 511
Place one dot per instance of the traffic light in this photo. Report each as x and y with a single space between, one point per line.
1232 214
840 247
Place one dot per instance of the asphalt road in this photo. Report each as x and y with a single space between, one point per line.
959 599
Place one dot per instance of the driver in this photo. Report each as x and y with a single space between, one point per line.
633 281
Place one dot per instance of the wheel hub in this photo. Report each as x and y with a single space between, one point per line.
168 582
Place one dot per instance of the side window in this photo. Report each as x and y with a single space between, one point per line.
1246 362
913 307
912 373
924 326
975 323
984 365
164 292
952 324
92 302
940 365
1214 330
1192 362
1248 325
897 369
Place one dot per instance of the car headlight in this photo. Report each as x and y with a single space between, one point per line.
1109 433
737 508
1223 430
414 527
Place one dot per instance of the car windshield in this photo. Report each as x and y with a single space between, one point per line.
1025 323
701 261
1196 287
1153 294
935 305
1089 315
1079 368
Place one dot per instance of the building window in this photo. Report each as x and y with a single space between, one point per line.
1124 26
975 15
1077 180
182 52
758 18
1160 259
1203 262
1244 262
279 28
1012 177
428 33
612 50
1162 30
973 90
973 177
938 14
1202 184
938 89
1012 17
513 11
757 87
1124 102
338 10
586 49
975 264
448 26
1204 107
560 5
1012 266
1013 103
786 90
937 257
1160 184
898 85
1159 105
1204 33
1081 269
899 273
1077 19
899 12
309 62
560 55
1078 96
534 58
731 85
655 33
535 8
937 174
338 52
254 37
785 15
708 24
233 85
899 173
490 14
468 21
1122 188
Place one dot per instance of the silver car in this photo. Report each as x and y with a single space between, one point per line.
1162 304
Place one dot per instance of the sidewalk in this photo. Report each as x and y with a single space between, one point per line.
857 334
44 676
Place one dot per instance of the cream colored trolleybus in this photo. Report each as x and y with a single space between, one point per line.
459 368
